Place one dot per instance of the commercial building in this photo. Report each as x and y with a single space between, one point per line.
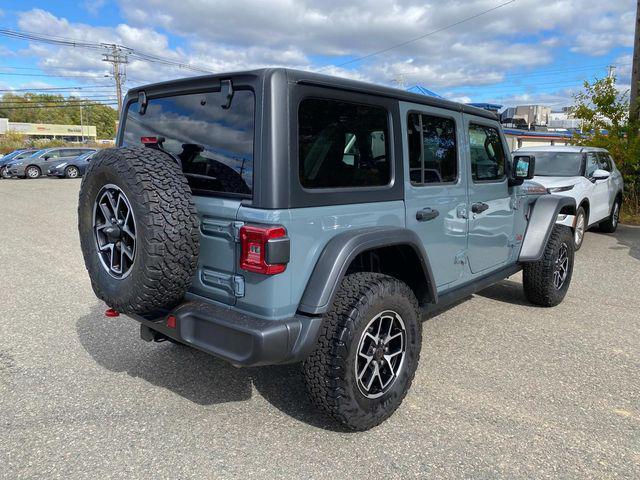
527 138
529 114
69 133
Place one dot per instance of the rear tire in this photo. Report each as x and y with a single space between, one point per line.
71 172
142 259
546 281
611 224
368 351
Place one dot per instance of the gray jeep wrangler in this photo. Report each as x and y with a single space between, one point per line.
278 216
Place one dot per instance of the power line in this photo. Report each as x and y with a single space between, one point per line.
75 43
74 105
49 75
428 34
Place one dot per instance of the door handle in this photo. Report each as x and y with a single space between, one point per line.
426 214
479 207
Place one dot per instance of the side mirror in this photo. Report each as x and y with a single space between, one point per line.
600 174
522 169
46 157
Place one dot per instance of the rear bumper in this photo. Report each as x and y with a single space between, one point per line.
241 339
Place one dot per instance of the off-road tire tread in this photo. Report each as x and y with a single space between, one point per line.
324 370
171 250
538 276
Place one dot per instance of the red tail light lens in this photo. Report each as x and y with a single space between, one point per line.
256 243
149 140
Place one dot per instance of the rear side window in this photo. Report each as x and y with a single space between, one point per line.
214 145
432 149
487 153
342 144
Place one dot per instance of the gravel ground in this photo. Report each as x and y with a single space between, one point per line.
504 389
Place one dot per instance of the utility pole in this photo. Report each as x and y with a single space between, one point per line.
612 68
118 58
634 108
81 124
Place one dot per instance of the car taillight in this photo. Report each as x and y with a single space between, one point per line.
149 140
264 249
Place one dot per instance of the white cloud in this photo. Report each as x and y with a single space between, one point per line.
224 36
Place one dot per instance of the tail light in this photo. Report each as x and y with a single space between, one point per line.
265 249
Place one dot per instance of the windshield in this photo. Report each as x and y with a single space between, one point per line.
11 155
39 152
558 164
213 144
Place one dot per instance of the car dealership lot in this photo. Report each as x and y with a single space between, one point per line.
503 389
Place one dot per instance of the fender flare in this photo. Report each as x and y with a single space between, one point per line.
342 249
542 219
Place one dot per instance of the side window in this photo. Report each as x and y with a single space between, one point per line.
487 153
342 144
593 164
54 153
605 163
432 149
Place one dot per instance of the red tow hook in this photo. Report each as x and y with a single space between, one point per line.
111 312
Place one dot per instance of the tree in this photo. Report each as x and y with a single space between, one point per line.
57 109
603 110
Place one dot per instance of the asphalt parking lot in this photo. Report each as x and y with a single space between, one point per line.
504 389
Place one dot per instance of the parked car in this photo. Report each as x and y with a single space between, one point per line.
588 175
277 216
13 156
38 163
71 168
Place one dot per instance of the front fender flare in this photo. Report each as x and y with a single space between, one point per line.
343 249
542 219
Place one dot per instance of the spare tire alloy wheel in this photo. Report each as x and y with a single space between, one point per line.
139 230
115 231
33 172
72 172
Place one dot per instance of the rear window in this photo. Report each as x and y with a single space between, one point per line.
342 144
214 145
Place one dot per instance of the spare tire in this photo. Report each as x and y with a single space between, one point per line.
139 230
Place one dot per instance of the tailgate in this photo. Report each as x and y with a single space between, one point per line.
216 277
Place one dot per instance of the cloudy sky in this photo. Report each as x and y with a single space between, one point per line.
528 51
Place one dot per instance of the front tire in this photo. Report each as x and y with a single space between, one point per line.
368 351
32 172
546 281
611 224
580 230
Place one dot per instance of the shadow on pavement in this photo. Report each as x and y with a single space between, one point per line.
196 376
628 236
506 291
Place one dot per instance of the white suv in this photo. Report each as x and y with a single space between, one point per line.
587 174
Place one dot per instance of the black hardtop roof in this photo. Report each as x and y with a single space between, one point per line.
319 79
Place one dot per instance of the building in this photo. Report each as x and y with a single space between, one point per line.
565 120
527 138
69 133
530 114
423 91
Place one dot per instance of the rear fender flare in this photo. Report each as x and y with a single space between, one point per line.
342 249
